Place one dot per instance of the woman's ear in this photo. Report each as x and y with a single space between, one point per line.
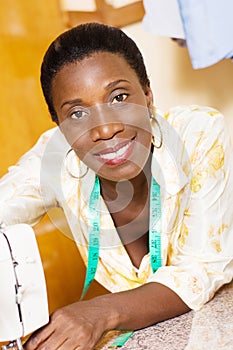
149 96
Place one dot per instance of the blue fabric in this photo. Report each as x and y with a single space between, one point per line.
208 29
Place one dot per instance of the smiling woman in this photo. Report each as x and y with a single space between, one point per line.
147 195
87 116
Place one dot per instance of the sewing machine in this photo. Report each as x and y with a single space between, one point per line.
23 295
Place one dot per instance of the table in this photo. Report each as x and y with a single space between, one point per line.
210 328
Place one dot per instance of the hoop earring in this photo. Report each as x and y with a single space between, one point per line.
152 117
67 160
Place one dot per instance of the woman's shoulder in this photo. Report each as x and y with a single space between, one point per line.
188 113
49 143
49 139
194 118
48 135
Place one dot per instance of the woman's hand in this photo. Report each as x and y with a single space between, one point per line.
76 326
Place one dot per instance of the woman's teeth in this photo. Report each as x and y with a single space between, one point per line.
116 154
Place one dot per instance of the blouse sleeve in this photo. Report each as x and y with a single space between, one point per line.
21 199
200 257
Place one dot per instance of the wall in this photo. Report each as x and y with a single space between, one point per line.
26 28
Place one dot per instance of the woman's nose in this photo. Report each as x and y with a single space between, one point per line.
105 125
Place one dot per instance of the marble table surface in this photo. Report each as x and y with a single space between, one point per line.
210 328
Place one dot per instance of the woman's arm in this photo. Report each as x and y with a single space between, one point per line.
143 306
201 243
81 325
21 197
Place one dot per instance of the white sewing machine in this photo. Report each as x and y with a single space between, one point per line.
23 295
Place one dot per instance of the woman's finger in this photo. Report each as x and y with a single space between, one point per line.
39 337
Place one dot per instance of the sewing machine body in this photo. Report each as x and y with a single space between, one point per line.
23 296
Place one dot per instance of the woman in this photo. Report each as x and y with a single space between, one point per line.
150 192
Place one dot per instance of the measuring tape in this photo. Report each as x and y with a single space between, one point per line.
94 237
155 226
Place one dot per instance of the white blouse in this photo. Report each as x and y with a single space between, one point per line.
194 170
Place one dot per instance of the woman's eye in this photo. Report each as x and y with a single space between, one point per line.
78 114
119 98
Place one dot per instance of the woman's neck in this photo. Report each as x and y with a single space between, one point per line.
134 188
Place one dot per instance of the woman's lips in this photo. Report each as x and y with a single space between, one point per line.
117 154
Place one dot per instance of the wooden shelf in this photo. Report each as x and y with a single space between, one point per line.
105 13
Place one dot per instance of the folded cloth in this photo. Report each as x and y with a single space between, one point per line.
163 18
208 30
205 25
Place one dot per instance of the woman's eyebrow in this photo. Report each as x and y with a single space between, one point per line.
70 102
115 82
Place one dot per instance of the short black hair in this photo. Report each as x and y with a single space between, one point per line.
80 42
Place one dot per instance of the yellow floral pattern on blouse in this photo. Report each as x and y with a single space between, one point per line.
194 170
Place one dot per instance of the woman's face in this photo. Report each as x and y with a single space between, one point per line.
103 112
